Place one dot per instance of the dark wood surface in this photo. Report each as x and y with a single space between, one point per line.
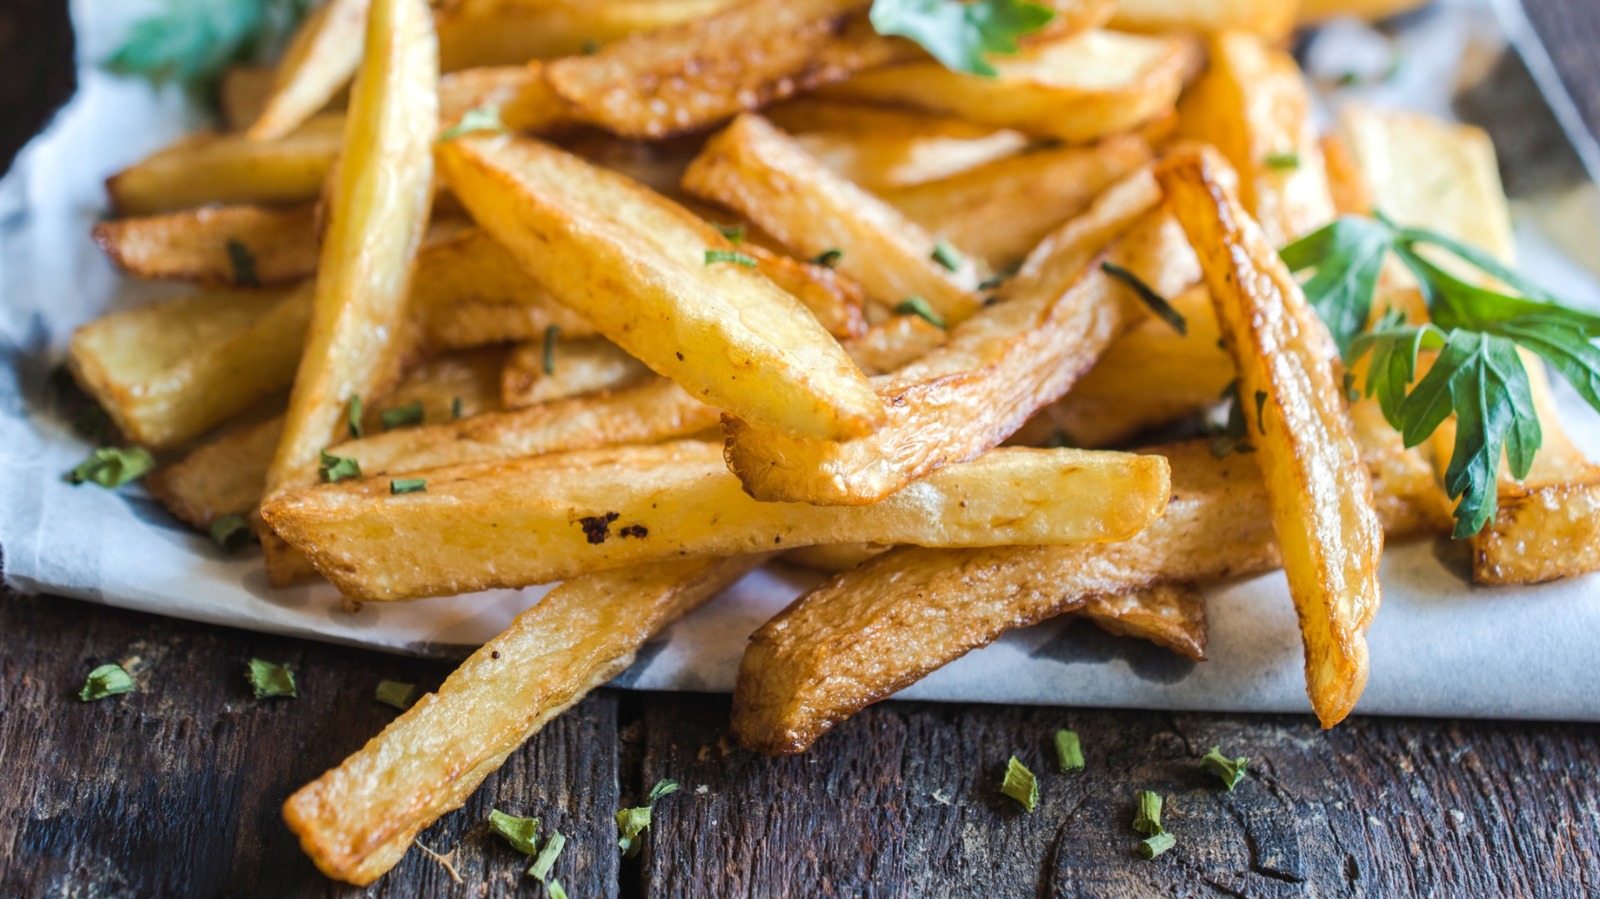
174 790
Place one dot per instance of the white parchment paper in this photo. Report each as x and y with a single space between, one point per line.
1439 647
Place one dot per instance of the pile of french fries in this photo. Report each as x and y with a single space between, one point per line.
721 283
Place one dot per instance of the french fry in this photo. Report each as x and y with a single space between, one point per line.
882 149
832 558
1077 88
357 820
1001 210
895 344
1172 616
520 93
1271 19
243 246
230 168
242 94
1545 526
869 633
1054 319
698 73
493 33
169 372
1313 12
721 330
545 370
756 169
469 291
1320 493
1253 105
531 521
1346 185
377 212
833 298
317 63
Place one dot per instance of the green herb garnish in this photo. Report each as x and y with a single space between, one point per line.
551 332
398 486
353 417
395 693
589 47
733 256
244 264
547 856
479 118
1285 161
112 466
1158 304
106 680
193 42
947 256
556 890
1020 784
231 532
401 416
827 258
1231 771
268 680
1069 753
631 822
1233 438
456 407
1147 819
919 307
961 35
1261 407
1152 846
333 469
1478 375
734 233
521 833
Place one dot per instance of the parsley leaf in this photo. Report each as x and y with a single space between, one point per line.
394 693
231 532
1020 784
961 35
478 118
1231 771
106 680
268 680
193 42
632 822
521 833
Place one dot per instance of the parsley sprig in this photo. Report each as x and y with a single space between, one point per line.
961 35
1477 376
192 42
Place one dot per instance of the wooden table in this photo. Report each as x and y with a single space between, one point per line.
174 790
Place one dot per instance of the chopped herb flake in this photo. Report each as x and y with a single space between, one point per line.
111 466
456 407
1158 304
1147 819
1154 845
401 416
353 417
395 693
269 680
556 890
662 788
521 833
589 47
1020 784
632 822
244 264
398 486
551 333
480 118
547 856
1286 161
1231 771
734 232
1261 407
733 256
827 258
919 307
106 680
1069 753
961 35
231 532
947 256
334 469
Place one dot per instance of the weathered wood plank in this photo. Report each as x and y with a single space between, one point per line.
904 801
175 789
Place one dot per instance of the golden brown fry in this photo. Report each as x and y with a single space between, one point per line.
242 94
871 632
1269 18
229 168
1253 105
492 33
832 558
1076 88
1346 184
316 65
169 372
882 149
1054 319
1293 403
834 300
895 344
1315 11
1169 615
640 269
226 475
520 93
1001 210
357 820
377 212
544 370
531 521
761 172
469 291
695 74
244 246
